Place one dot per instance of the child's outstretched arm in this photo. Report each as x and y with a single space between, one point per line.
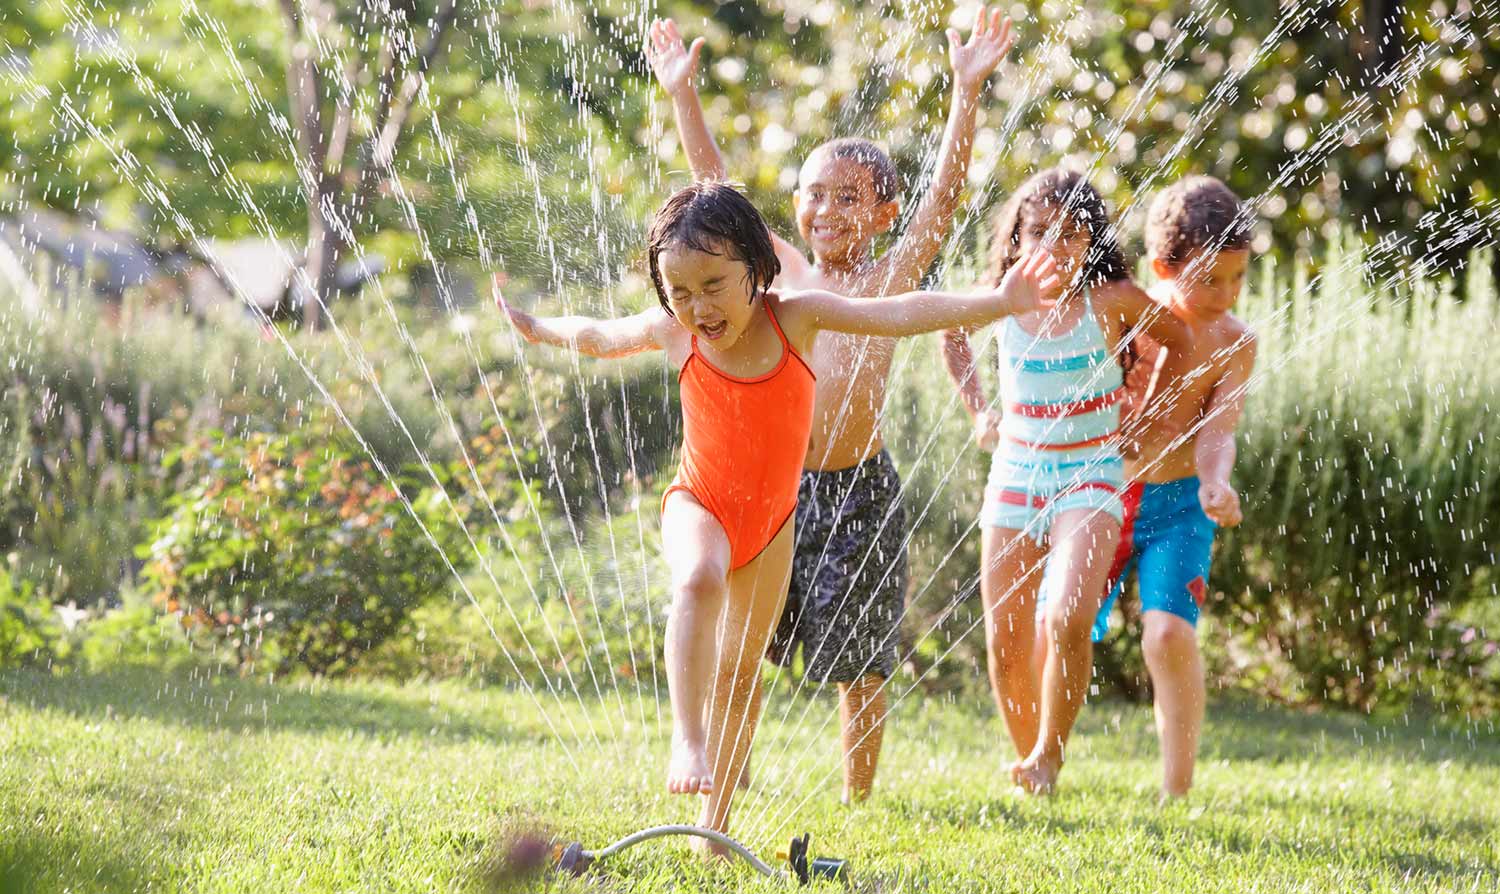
973 62
676 70
1214 450
586 335
1030 285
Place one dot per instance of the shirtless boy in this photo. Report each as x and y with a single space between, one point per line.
1181 449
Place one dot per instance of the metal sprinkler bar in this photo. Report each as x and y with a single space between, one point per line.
574 860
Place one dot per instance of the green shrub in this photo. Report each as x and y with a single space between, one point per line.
133 634
560 616
292 552
30 630
1369 453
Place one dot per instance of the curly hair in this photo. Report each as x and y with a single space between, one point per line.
1194 214
883 173
713 218
1052 190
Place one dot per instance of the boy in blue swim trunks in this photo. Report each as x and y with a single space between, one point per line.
1180 449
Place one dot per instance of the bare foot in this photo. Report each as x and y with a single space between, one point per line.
855 796
709 850
687 773
1037 774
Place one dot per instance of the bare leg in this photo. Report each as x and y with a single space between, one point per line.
699 564
1039 654
1083 544
1171 646
756 595
756 708
862 710
1012 565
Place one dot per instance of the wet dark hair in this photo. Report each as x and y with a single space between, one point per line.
1193 214
713 218
1068 191
883 173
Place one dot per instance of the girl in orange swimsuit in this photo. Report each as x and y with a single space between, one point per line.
747 402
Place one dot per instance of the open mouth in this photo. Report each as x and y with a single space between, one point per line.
823 231
713 331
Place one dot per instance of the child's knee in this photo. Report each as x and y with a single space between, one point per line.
700 582
1168 637
1069 623
1010 651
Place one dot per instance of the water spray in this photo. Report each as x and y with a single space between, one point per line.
574 860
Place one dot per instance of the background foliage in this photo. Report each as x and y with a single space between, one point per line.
1365 134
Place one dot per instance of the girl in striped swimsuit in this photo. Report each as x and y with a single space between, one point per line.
1053 498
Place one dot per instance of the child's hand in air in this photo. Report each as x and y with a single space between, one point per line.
523 322
1031 284
976 60
675 66
987 430
1220 503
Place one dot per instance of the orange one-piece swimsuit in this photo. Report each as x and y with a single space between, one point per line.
744 442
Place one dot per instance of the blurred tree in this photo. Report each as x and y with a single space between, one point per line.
527 134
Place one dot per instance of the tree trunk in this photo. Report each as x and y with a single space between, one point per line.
1382 38
322 259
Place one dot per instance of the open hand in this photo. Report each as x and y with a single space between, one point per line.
521 321
990 40
675 66
1031 284
1220 503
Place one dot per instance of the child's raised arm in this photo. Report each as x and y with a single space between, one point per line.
1028 286
676 68
597 338
973 62
1214 450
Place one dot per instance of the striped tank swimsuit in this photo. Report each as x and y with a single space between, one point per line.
1059 446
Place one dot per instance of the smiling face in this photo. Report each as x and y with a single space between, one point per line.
1066 238
839 210
1208 283
709 293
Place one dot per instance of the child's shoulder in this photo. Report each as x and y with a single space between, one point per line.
670 335
1238 334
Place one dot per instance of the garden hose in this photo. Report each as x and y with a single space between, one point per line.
574 860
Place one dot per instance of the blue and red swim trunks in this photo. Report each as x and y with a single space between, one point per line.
1168 541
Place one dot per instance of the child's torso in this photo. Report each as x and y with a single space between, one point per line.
852 373
1061 385
1171 392
745 418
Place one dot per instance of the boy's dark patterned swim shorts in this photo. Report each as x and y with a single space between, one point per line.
848 588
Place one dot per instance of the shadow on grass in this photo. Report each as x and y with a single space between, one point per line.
55 860
1166 835
1240 729
231 705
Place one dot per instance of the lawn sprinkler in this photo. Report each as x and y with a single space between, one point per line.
574 860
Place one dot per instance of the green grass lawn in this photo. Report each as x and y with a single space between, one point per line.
143 782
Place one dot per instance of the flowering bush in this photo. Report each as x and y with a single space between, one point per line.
295 553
